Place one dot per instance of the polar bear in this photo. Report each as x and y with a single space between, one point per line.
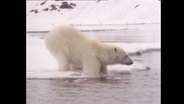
74 51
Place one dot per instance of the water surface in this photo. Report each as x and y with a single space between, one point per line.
147 33
138 87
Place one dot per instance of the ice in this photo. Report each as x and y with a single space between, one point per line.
138 48
41 64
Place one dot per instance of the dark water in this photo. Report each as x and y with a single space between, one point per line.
139 87
148 33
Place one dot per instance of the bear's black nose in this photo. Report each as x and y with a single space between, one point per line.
129 63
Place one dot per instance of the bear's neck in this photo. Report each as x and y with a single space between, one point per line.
105 54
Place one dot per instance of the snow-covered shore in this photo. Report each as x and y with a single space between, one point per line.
41 64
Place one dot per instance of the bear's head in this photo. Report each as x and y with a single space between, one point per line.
116 55
121 57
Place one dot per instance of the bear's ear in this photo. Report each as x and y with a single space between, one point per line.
115 49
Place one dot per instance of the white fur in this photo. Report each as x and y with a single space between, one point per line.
73 50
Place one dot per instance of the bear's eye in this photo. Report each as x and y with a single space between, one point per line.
115 49
126 56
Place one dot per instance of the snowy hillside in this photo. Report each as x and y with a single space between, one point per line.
42 15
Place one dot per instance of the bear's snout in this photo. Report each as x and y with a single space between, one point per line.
129 62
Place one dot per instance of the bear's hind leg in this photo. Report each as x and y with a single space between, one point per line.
75 67
63 63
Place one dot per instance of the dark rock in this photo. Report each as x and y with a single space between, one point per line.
65 5
53 7
136 6
98 1
46 9
43 2
32 10
36 11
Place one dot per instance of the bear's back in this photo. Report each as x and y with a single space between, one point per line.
68 33
68 40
